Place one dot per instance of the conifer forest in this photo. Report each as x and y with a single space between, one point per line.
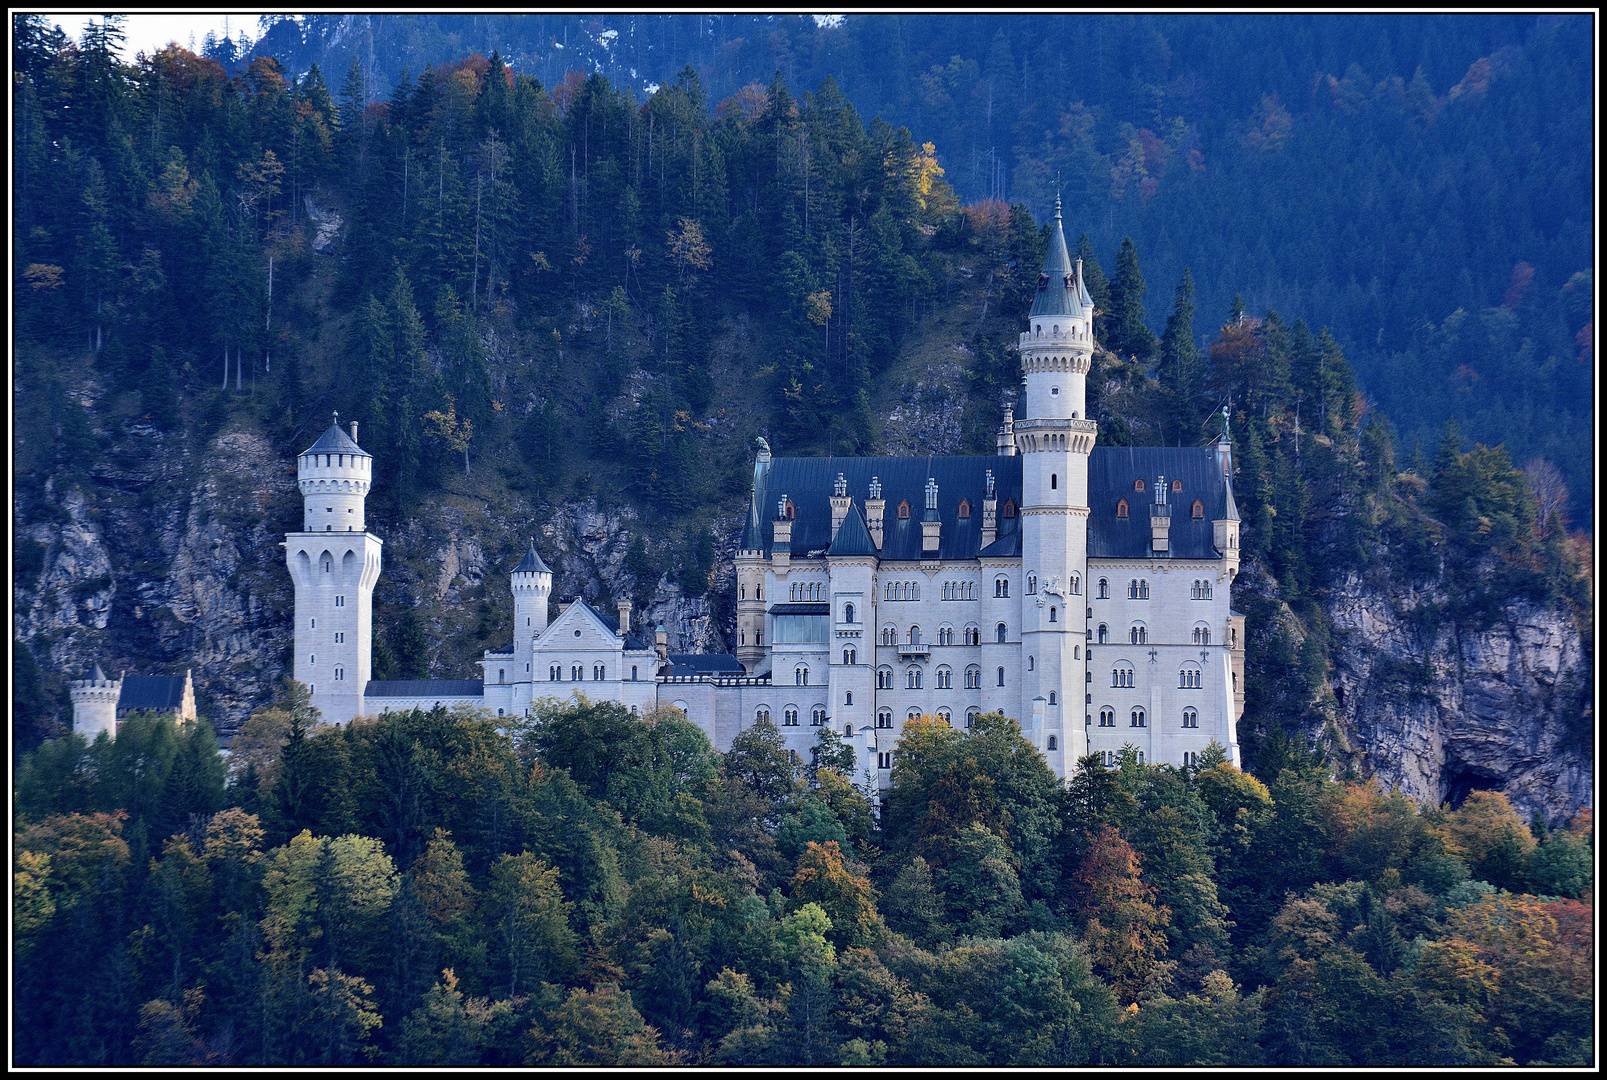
550 268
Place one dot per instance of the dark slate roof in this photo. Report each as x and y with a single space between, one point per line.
1007 546
506 650
424 688
1058 292
151 692
1111 472
853 537
632 640
800 609
531 563
706 663
808 483
336 441
98 675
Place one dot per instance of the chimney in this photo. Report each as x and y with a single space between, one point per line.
563 606
1007 433
1160 520
781 538
661 644
354 431
931 524
990 513
624 616
875 507
839 504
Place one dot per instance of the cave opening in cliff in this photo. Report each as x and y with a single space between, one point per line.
1460 781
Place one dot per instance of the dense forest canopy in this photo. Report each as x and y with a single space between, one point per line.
1421 184
594 887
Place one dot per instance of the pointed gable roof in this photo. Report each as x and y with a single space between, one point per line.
852 538
531 563
1058 293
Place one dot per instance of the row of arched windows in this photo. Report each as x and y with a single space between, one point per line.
970 635
803 592
1189 676
1201 589
1197 511
1137 719
903 590
959 590
789 715
1138 634
944 676
555 673
1074 587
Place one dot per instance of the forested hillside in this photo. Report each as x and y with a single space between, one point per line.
1422 185
556 311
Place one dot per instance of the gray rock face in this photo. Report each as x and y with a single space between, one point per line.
1433 709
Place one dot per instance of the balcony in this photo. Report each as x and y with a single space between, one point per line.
921 649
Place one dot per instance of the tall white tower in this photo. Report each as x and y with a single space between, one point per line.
95 704
1054 437
532 587
334 562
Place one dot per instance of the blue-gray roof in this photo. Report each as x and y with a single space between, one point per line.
151 692
531 563
632 641
799 609
853 537
808 483
706 663
336 441
423 688
1058 290
1112 472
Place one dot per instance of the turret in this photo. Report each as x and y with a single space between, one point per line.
1059 342
1160 520
931 522
875 507
750 571
334 475
839 503
990 512
95 704
532 588
1007 434
1225 529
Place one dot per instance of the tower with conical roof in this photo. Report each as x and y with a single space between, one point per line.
1054 437
95 704
531 582
334 561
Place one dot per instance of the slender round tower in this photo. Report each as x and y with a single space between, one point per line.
532 587
95 704
334 562
1054 437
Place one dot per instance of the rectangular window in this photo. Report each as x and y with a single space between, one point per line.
802 630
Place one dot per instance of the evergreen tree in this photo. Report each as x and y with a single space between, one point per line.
1127 333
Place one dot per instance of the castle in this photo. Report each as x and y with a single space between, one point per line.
874 590
871 591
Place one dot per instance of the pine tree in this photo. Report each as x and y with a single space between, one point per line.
1128 334
1179 371
1098 287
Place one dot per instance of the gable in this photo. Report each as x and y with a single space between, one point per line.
578 627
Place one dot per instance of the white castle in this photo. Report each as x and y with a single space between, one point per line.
871 591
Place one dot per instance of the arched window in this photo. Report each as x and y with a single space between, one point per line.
1052 614
970 717
597 673
903 509
789 716
945 635
1031 664
848 697
1108 758
944 715
501 675
849 656
973 635
889 635
1191 718
1032 584
1199 510
1138 485
761 715
965 510
1202 634
574 673
1121 676
912 679
1052 744
340 673
800 675
913 714
1054 481
792 511
1104 589
848 730
1001 586
1177 485
915 634
1191 759
1001 676
999 633
1189 677
1121 508
1137 718
1138 634
945 678
1107 717
884 718
848 613
884 678
1009 510
555 673
1076 584
1052 699
817 716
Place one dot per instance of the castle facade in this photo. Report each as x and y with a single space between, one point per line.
1082 590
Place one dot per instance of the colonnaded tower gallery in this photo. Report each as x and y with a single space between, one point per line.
1082 590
